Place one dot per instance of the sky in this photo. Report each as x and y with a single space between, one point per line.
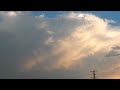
59 44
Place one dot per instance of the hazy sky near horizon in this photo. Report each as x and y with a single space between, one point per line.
59 44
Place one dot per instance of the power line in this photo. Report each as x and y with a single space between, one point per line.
94 74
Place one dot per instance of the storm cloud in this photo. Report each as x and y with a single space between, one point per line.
66 46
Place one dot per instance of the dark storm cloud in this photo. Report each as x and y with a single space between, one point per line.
60 47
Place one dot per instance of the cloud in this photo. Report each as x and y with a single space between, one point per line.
85 39
66 46
114 52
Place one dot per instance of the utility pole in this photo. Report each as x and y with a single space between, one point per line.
94 74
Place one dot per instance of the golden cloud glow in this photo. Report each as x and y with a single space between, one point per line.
83 42
72 41
92 36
